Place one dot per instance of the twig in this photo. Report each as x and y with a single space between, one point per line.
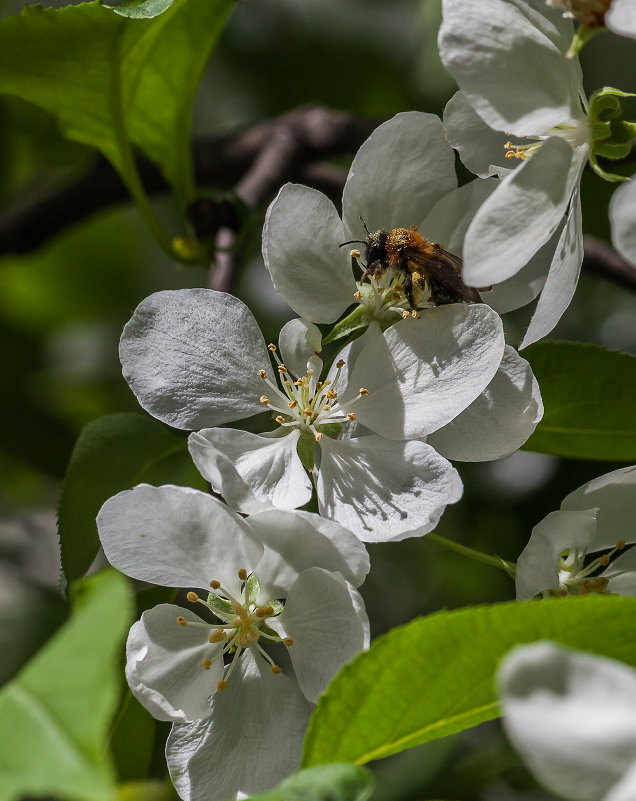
601 259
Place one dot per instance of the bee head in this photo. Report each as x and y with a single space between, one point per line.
375 253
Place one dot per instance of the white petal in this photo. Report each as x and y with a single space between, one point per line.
622 213
537 566
326 627
398 175
427 370
480 147
177 537
508 60
615 495
522 213
164 664
384 490
499 421
621 19
625 788
192 357
562 279
300 342
624 584
449 219
252 740
295 541
245 467
301 239
572 717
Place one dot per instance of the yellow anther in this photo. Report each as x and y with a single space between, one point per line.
510 155
308 412
287 383
206 663
182 621
264 399
280 419
282 369
331 393
405 315
221 685
262 373
216 636
604 560
508 146
340 364
415 314
357 295
351 416
318 386
318 437
292 404
288 641
298 382
355 253
192 597
364 392
310 373
276 669
264 611
326 408
271 347
215 584
396 296
620 545
242 574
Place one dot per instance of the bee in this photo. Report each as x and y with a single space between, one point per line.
423 264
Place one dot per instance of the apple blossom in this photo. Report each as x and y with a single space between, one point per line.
622 213
274 582
572 718
597 517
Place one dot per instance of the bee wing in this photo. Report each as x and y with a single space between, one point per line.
446 270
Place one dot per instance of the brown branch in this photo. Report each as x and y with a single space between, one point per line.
315 133
601 259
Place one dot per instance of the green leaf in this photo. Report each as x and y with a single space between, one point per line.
588 393
139 9
56 713
338 782
434 676
113 453
119 79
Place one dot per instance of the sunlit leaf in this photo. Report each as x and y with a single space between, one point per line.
435 676
338 782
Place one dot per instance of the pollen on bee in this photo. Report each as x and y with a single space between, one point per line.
182 621
221 685
192 597
206 663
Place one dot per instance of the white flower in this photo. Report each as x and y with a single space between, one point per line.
509 64
599 516
621 18
402 176
196 359
572 717
617 15
281 586
622 214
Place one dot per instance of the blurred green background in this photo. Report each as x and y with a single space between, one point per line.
63 305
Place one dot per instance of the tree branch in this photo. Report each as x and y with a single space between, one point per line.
601 259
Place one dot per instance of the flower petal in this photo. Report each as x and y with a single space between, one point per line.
426 371
571 716
327 629
192 357
398 175
295 541
479 146
622 213
622 573
300 343
251 741
246 467
621 18
164 664
615 495
509 62
499 421
522 213
177 537
301 239
562 279
384 490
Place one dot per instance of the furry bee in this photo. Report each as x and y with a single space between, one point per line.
423 264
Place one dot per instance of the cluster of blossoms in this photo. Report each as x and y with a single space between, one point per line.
364 421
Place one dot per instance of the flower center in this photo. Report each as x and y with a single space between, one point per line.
578 578
243 624
575 133
305 403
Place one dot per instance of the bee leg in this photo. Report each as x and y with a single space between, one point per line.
408 290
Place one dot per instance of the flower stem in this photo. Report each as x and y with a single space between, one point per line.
493 560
